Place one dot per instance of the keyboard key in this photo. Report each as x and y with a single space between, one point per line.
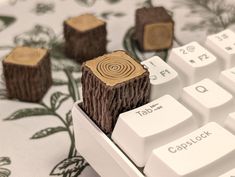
193 63
223 45
231 173
164 80
206 152
230 123
209 101
227 79
139 131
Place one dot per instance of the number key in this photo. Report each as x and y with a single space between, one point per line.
163 78
223 45
193 63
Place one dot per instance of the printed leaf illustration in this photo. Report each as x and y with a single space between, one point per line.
4 161
130 44
58 82
87 3
119 14
39 36
43 8
48 132
28 112
57 99
6 21
70 165
69 118
4 172
57 49
72 86
107 14
112 1
216 15
146 3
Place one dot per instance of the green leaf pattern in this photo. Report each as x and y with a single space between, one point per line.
57 99
47 132
4 161
70 166
28 112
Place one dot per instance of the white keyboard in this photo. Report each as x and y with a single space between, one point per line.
188 128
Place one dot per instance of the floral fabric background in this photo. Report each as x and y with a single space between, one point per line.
36 139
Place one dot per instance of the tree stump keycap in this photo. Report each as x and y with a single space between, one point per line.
113 83
27 73
85 37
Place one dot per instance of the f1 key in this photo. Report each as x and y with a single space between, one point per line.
163 78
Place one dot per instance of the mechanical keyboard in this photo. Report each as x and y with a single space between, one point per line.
188 128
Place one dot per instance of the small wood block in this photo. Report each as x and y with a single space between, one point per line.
27 73
85 37
112 84
154 29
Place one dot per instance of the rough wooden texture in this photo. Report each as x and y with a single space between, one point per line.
27 81
85 37
154 28
103 101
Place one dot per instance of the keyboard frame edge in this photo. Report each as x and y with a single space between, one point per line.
98 150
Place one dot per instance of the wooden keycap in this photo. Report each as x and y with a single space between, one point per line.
113 83
85 37
154 28
27 73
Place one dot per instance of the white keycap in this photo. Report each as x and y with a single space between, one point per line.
231 173
222 45
164 80
230 123
227 79
193 63
207 152
140 130
209 101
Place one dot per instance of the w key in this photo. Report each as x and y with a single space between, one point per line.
208 101
227 79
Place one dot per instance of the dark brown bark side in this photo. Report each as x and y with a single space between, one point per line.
28 83
104 103
145 16
83 46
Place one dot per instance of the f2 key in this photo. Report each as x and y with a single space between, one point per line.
193 63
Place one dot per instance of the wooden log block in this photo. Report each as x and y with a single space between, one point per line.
112 84
27 73
85 37
154 28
